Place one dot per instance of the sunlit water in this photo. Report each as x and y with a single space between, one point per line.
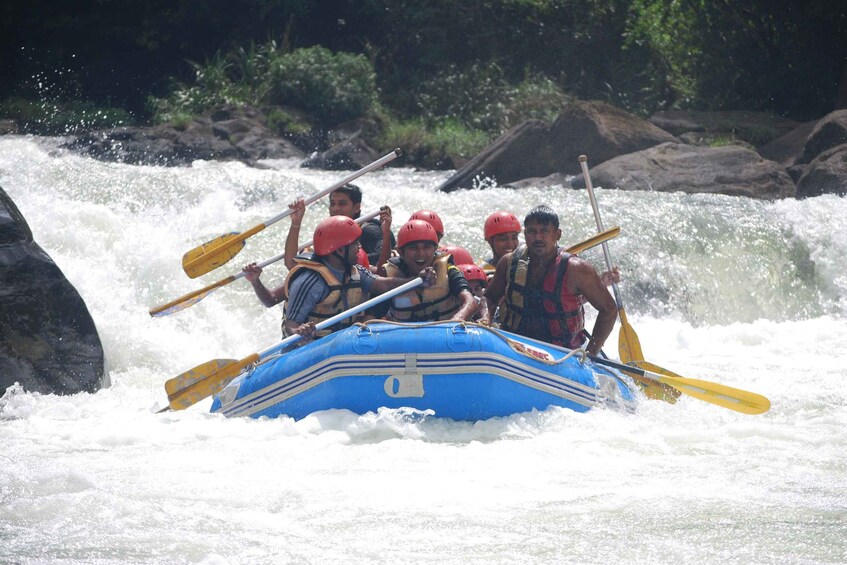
746 293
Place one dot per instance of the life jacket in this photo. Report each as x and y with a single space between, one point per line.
433 303
488 266
561 311
340 297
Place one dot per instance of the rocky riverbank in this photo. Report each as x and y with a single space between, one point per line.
736 153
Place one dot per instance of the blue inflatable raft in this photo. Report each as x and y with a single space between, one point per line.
459 371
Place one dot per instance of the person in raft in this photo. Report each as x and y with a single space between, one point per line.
477 281
544 287
432 219
327 282
501 231
377 240
449 298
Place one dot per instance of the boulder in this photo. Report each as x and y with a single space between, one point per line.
676 167
827 174
352 153
755 128
227 134
536 149
521 152
788 148
48 341
8 127
831 130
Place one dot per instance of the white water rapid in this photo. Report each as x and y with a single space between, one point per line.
741 292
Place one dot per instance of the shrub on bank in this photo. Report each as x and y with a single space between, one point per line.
331 87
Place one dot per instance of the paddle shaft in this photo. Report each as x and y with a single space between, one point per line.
207 379
191 298
382 161
329 322
714 393
583 163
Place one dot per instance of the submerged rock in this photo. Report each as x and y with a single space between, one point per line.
48 341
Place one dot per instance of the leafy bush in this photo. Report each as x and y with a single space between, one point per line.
282 122
334 88
480 97
440 146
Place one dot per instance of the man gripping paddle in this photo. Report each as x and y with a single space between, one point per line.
327 282
543 288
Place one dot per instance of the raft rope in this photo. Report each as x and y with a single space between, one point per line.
516 346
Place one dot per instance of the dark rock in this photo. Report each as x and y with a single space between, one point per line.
831 130
8 126
227 134
676 167
48 341
519 153
827 174
788 148
351 154
756 128
796 172
556 179
534 149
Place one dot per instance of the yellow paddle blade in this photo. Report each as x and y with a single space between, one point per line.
629 347
729 397
179 304
189 299
203 381
654 389
212 254
594 240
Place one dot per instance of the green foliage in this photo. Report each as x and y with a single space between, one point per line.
437 146
332 87
284 123
481 98
781 57
61 118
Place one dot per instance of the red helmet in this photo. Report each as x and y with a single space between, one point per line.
432 218
334 233
460 254
501 222
473 272
416 230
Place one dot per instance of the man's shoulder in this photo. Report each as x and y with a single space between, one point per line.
305 276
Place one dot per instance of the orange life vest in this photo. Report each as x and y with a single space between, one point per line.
433 303
334 302
562 312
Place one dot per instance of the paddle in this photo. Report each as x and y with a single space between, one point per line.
216 252
196 296
726 396
629 346
594 240
212 376
729 397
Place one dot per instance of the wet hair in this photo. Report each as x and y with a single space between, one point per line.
353 192
544 215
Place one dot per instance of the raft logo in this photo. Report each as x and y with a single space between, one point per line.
530 351
404 386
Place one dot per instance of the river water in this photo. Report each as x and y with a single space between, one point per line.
741 292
